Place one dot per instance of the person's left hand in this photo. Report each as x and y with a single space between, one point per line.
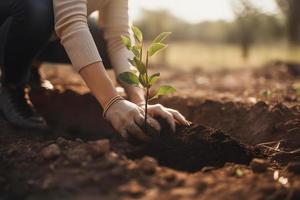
170 115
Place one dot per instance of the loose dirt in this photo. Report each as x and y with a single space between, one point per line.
244 142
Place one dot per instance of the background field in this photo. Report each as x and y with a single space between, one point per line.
197 55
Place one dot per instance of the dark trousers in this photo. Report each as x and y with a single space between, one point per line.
25 29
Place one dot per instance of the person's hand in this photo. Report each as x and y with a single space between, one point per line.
128 119
170 115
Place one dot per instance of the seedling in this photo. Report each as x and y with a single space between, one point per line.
266 93
139 76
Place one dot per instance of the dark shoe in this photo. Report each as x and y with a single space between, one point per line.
18 110
37 82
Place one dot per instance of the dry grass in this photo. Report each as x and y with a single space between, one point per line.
188 55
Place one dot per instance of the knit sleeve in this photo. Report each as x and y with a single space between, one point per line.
117 23
72 29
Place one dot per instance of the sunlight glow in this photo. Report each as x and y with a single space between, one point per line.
195 11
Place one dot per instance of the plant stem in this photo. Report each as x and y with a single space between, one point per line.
146 110
147 92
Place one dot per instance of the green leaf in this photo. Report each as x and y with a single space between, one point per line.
137 34
136 51
129 78
153 78
155 47
163 90
143 80
266 93
140 66
126 41
161 37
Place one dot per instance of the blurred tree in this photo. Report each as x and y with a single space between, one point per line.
154 22
291 11
250 26
246 24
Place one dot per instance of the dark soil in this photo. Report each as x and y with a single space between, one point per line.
235 122
192 148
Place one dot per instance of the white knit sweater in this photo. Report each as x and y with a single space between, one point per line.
72 29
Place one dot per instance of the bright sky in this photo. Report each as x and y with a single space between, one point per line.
196 10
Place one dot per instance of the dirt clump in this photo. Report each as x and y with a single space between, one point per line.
51 152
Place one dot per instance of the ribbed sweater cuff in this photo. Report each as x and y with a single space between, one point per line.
81 49
120 61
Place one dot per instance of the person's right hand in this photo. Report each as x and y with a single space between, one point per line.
127 119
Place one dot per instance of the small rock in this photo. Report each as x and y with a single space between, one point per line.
51 152
112 156
99 147
207 169
183 191
294 167
77 154
259 165
148 165
79 140
61 141
133 189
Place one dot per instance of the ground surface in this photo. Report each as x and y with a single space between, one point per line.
238 116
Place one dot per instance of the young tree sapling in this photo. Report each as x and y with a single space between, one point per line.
139 76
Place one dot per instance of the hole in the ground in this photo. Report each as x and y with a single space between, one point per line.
191 149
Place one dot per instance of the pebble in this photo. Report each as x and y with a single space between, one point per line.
61 141
148 165
99 147
294 167
207 169
187 191
259 165
79 140
51 152
133 189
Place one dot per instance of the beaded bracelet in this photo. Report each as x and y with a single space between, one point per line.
110 103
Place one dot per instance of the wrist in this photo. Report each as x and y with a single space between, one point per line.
104 100
135 95
112 101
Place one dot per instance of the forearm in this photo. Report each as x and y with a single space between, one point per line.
135 94
99 83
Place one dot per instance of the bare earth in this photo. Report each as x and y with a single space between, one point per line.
244 144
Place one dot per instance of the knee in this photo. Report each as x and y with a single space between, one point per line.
37 15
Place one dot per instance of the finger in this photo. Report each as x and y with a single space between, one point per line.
153 123
140 120
179 117
167 116
124 134
137 132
